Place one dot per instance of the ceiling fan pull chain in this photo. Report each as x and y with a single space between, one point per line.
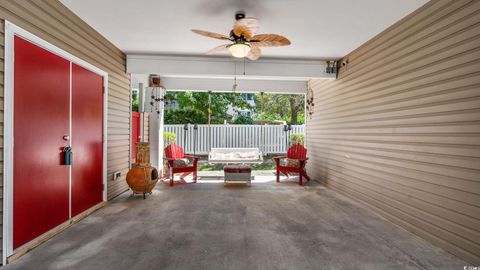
235 72
234 86
244 66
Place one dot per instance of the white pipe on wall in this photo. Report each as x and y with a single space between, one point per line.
141 98
141 109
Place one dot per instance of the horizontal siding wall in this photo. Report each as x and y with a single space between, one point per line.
2 57
53 22
399 130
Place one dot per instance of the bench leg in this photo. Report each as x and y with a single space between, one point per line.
278 176
300 179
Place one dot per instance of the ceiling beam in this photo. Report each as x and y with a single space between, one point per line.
225 85
224 67
243 86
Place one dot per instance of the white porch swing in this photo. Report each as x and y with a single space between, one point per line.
230 155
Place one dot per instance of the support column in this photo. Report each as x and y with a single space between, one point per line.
155 131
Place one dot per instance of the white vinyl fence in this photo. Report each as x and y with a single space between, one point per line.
270 139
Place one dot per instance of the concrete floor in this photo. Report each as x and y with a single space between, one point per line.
209 226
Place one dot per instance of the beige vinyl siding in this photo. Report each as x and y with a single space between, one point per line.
53 22
2 57
399 130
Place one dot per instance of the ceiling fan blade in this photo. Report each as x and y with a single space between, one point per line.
270 40
218 49
254 53
246 27
210 34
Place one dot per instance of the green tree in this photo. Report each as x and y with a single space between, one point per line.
297 104
184 116
193 107
134 101
286 107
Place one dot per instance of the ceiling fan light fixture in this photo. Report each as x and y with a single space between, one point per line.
239 50
245 43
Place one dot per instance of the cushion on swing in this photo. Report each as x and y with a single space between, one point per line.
235 155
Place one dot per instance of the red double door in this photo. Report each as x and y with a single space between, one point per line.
56 104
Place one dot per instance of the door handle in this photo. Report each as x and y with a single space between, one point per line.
67 155
66 137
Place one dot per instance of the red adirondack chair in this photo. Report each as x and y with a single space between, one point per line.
298 154
175 161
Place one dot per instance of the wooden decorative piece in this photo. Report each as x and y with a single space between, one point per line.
142 177
143 153
154 81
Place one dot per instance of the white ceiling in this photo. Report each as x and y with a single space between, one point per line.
317 28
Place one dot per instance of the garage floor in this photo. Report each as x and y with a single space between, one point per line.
209 226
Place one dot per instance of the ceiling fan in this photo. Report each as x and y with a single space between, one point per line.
245 43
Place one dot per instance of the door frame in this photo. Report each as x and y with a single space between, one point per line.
11 30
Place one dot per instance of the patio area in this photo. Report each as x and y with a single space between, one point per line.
211 226
371 107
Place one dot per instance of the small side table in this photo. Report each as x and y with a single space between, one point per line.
238 173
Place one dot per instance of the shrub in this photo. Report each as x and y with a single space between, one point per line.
297 138
243 120
169 138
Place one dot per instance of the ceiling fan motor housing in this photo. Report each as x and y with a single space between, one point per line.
239 15
237 39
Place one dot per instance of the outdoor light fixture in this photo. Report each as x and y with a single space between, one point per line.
239 50
286 129
331 67
195 128
185 127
